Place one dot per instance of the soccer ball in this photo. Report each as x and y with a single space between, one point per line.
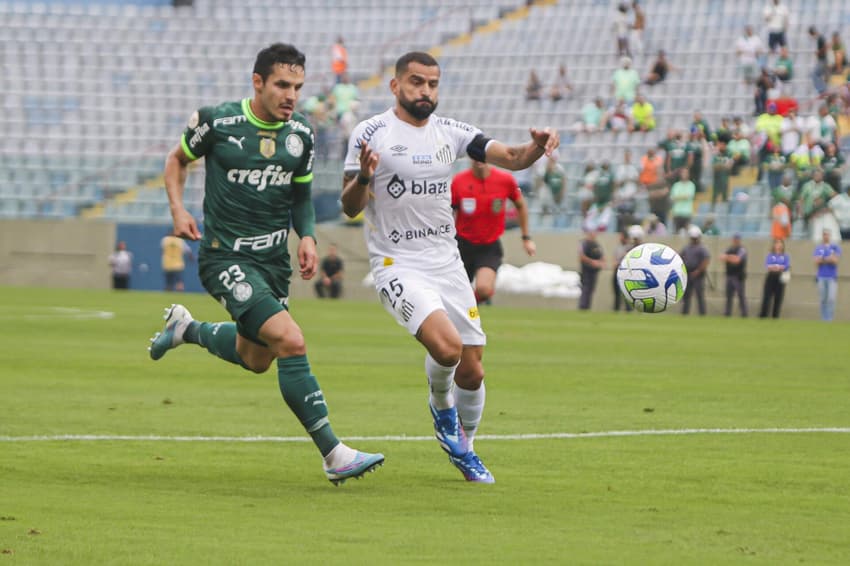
652 277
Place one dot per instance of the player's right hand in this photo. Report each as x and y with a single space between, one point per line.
368 160
185 225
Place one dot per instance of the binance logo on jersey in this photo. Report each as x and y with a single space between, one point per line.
271 176
398 186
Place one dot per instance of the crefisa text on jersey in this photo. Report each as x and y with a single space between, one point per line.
272 175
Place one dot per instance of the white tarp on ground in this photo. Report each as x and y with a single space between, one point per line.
538 278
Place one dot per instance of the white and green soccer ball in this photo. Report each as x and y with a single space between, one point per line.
652 277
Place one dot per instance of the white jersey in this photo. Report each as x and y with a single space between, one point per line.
409 219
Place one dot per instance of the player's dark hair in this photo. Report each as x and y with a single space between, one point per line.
278 53
414 57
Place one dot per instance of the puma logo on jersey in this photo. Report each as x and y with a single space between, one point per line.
234 141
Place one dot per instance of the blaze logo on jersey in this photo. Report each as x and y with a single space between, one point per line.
396 187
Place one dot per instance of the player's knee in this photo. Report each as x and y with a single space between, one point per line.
469 376
447 353
256 363
289 344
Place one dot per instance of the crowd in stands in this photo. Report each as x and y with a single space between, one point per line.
791 142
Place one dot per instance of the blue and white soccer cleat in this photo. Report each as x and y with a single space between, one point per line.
472 468
363 462
177 319
448 431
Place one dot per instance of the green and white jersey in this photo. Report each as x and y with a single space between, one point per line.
255 172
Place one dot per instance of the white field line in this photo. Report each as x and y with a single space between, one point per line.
403 438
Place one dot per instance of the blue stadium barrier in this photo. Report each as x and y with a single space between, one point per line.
143 240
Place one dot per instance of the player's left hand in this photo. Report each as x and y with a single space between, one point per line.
530 247
307 258
547 138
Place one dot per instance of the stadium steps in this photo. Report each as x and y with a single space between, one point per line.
490 26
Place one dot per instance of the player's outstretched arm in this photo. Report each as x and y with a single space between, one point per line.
355 186
522 214
176 171
519 157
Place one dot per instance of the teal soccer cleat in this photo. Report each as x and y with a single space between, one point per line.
177 319
448 431
363 462
472 468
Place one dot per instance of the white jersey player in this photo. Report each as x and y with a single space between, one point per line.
398 169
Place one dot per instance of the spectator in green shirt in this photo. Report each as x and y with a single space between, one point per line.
832 164
774 166
344 93
815 195
682 195
721 164
739 148
700 124
625 81
643 114
783 68
696 148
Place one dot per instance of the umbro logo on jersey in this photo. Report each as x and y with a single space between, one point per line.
398 150
234 141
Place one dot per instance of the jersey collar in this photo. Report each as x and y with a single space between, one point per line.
246 109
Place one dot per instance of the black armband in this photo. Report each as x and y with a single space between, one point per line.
477 148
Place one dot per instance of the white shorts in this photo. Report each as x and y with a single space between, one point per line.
410 295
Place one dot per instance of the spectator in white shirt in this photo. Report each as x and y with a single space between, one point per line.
792 128
749 49
776 18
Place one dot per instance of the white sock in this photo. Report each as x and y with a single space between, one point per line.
440 380
339 456
470 407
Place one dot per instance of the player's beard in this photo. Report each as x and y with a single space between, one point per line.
417 109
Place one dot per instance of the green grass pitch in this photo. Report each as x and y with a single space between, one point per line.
705 498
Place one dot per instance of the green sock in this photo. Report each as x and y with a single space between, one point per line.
301 392
217 338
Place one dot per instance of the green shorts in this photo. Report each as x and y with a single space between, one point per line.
251 289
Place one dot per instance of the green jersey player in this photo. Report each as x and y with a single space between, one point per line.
258 158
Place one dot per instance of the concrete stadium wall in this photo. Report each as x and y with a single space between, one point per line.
801 298
56 253
73 253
